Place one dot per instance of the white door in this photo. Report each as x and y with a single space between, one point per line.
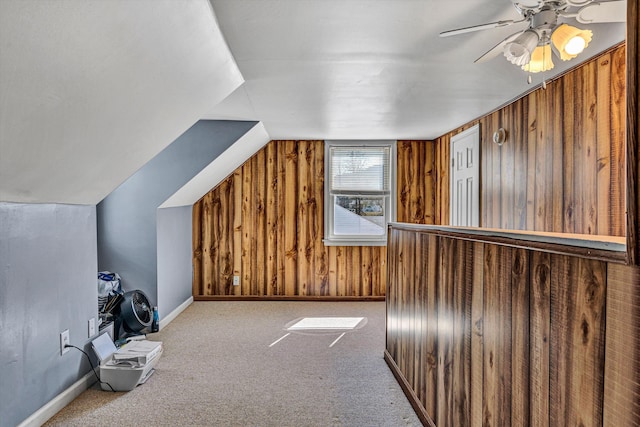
465 178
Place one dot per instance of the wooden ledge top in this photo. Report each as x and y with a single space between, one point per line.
607 248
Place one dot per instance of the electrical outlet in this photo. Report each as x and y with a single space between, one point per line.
91 327
64 340
236 280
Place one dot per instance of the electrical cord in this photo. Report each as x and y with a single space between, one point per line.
91 364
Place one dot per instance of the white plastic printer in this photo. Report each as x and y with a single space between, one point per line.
128 366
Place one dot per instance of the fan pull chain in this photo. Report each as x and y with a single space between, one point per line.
544 81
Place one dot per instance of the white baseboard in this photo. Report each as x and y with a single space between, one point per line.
169 317
54 406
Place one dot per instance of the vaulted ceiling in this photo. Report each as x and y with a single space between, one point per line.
90 90
374 69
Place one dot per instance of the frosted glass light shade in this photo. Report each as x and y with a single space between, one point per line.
570 41
540 60
519 51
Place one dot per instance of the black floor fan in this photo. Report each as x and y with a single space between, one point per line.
133 314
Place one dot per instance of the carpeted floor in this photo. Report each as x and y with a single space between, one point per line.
220 367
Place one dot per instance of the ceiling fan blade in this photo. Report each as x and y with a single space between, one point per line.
497 49
594 13
479 27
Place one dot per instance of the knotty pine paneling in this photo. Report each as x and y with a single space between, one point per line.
442 160
416 178
265 223
562 168
498 336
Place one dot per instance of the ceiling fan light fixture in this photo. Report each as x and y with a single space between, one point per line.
540 60
570 41
519 51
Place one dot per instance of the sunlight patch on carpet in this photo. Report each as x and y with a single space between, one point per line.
325 323
328 325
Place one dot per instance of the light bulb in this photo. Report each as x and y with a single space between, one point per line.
575 46
570 41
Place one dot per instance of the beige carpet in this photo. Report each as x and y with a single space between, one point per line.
221 368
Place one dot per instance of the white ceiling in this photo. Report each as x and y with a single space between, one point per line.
341 69
90 90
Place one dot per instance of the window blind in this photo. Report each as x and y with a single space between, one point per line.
360 169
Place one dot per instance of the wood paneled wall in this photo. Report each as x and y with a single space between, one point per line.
633 132
484 334
562 167
265 224
416 182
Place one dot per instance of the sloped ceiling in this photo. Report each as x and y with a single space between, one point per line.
373 69
90 90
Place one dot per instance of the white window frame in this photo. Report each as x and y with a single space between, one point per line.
331 239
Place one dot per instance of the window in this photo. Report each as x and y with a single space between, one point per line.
359 192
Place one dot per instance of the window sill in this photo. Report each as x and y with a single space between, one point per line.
354 242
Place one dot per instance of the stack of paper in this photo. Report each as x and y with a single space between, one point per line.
139 352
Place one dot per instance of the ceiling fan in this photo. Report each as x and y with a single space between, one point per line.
532 48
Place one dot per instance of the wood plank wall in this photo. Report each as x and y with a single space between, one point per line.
265 224
552 175
484 334
562 167
416 178
633 130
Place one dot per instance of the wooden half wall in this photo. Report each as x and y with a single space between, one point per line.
265 224
484 334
